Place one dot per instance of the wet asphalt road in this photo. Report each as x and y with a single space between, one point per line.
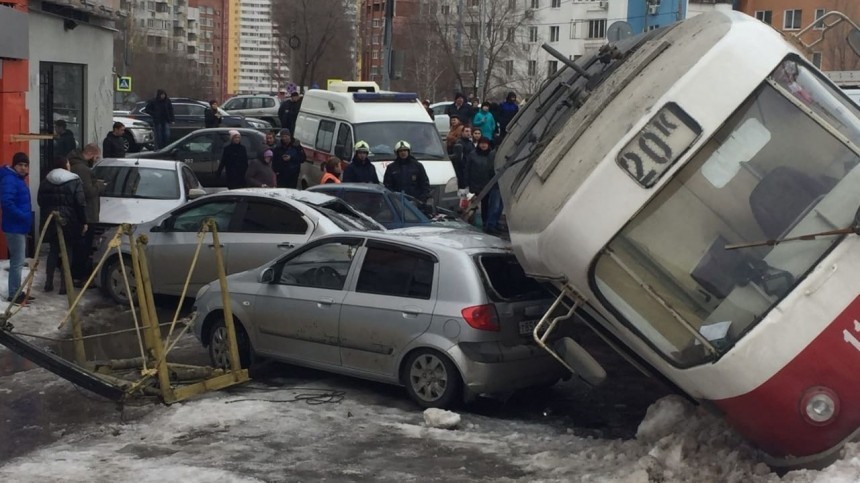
37 408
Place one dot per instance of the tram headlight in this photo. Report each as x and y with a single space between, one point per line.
819 405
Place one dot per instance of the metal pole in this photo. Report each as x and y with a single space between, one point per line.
235 362
386 44
145 285
80 353
459 35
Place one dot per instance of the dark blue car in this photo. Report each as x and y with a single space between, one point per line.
391 210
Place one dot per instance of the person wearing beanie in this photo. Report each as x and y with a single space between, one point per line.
287 159
16 222
234 159
507 111
260 173
479 171
485 121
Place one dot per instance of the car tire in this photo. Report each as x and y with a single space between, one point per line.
112 280
219 352
431 379
130 144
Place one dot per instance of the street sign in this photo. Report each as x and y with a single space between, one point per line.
123 84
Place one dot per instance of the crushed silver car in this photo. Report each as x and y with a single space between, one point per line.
448 314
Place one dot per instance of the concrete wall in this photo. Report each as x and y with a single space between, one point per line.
87 45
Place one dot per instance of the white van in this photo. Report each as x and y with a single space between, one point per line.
330 123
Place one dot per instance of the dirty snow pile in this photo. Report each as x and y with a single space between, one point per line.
441 419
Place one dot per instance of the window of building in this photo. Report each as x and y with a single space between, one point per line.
792 19
532 69
533 34
473 31
597 29
816 59
553 33
474 3
535 3
551 67
511 34
509 68
445 9
819 12
512 4
765 16
556 3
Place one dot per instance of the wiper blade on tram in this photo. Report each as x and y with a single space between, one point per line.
855 228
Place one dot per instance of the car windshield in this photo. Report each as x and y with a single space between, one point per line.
381 136
138 182
784 164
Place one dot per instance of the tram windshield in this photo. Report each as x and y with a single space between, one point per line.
781 166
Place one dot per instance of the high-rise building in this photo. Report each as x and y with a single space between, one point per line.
255 62
211 48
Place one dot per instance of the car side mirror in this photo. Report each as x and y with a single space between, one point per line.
267 275
195 193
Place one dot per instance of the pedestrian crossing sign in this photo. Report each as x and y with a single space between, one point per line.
123 84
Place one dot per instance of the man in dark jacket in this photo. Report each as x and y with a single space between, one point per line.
479 171
463 147
289 111
406 174
461 109
211 116
361 170
17 220
64 140
114 144
507 111
287 160
79 164
62 192
160 110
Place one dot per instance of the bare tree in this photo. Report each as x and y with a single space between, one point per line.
479 40
425 65
317 38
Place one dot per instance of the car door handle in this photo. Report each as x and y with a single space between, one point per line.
411 313
212 245
325 302
286 245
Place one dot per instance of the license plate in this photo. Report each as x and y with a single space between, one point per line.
527 327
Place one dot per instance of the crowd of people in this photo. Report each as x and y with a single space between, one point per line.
69 196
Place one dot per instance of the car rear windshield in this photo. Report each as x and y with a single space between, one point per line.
138 182
345 217
507 280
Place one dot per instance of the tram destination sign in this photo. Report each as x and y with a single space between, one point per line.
666 137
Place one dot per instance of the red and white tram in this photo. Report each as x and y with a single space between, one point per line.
630 175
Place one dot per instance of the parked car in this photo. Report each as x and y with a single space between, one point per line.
390 209
446 313
443 121
189 115
260 106
255 226
138 134
201 150
140 190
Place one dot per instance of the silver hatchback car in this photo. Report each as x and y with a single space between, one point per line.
448 314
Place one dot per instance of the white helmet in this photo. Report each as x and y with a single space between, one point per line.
402 145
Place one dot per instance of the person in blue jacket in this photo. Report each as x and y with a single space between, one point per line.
17 219
485 121
361 170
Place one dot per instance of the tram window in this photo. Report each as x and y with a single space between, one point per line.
741 146
777 167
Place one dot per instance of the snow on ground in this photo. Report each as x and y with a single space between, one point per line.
253 433
259 433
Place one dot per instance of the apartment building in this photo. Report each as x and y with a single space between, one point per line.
371 30
833 53
255 62
211 52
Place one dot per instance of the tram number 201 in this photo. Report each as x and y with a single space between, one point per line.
852 338
658 145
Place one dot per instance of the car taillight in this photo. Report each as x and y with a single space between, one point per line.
482 317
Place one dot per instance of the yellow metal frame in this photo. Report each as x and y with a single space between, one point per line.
154 349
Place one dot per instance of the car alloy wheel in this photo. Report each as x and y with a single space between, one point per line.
219 349
432 380
114 282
